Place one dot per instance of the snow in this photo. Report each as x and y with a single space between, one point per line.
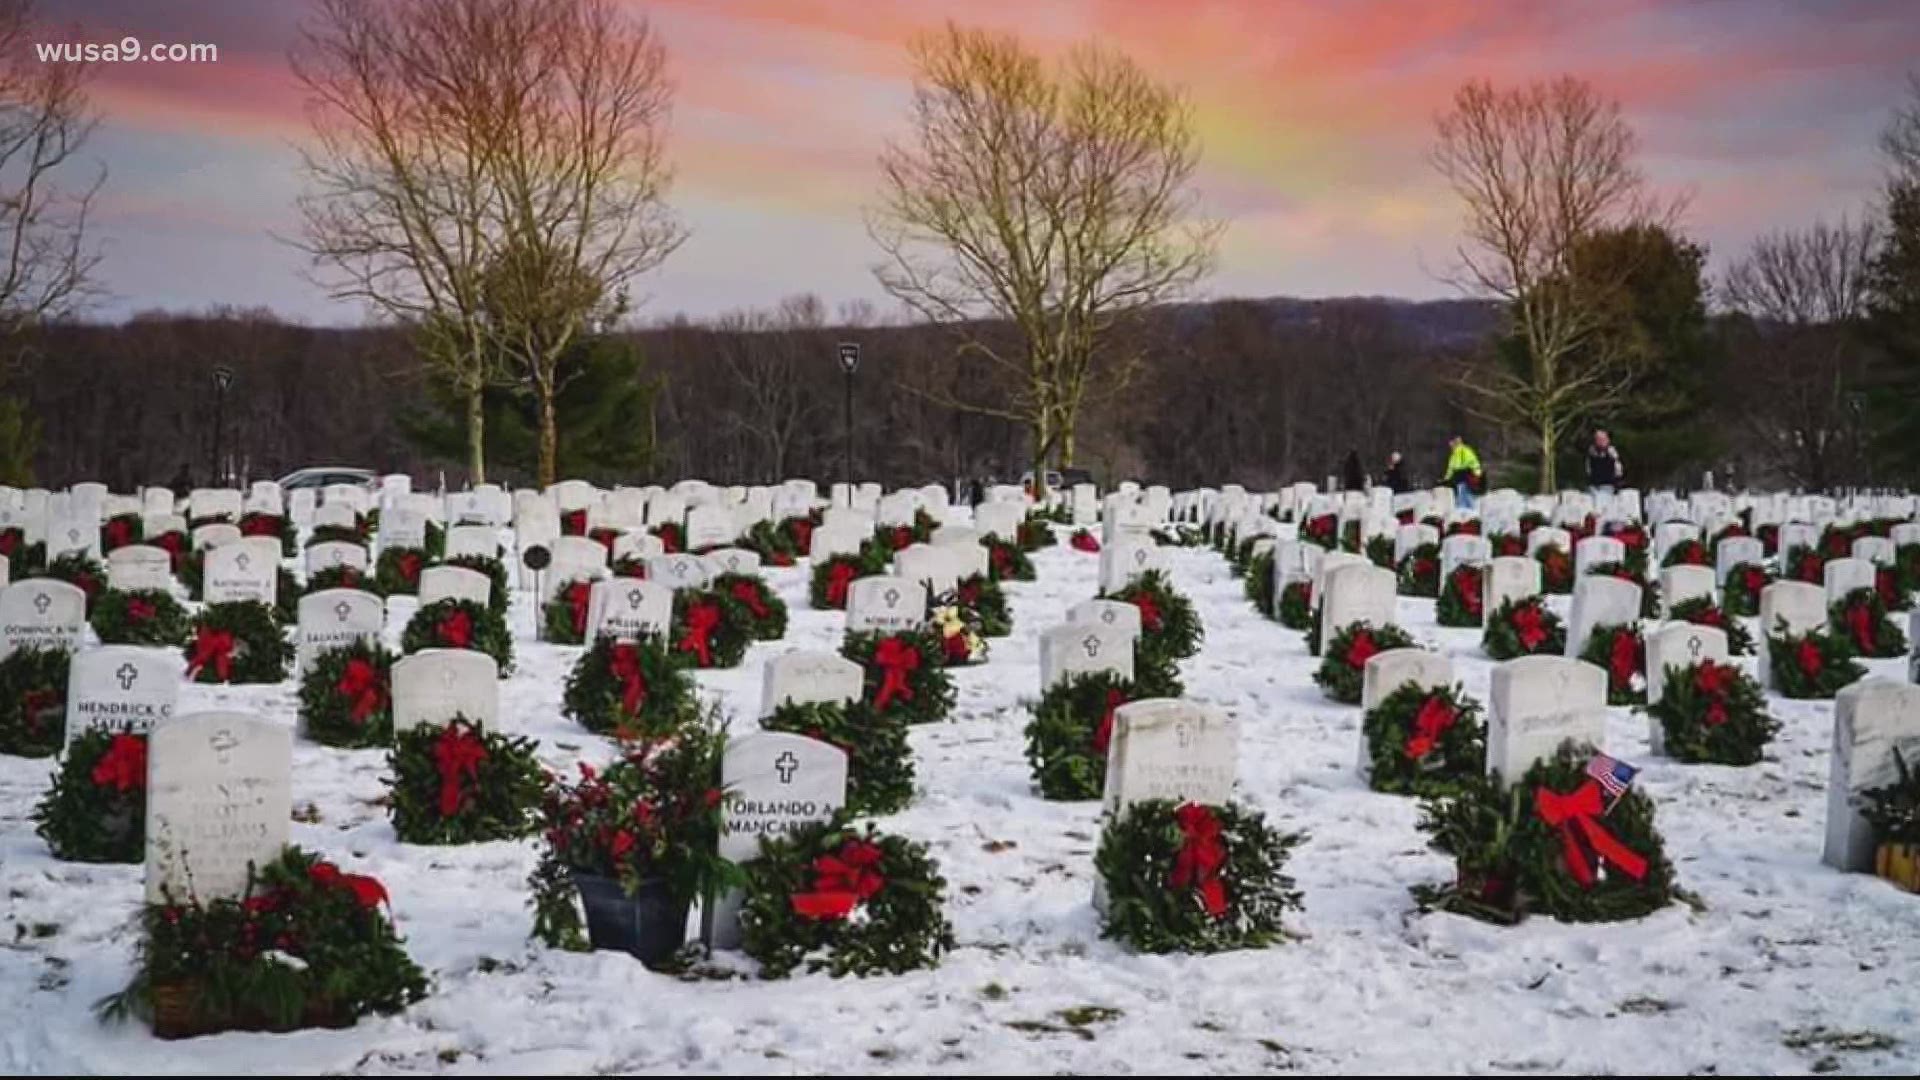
1786 966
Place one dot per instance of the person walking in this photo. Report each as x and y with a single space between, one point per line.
1605 470
1463 472
1351 478
1397 474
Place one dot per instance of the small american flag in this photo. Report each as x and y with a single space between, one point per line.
1614 776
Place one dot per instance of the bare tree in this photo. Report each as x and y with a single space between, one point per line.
46 269
766 358
1803 361
1537 169
1058 201
1900 139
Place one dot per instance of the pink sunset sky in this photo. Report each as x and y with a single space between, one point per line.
1315 117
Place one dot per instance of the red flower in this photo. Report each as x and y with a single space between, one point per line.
124 766
1623 659
1084 541
897 659
1754 579
1714 679
1716 713
703 618
1429 724
955 648
1197 864
361 684
1361 649
368 891
1807 655
623 842
901 537
456 630
457 755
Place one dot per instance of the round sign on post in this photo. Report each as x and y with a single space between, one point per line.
536 557
849 357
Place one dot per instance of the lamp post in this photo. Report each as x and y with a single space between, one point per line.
222 379
849 363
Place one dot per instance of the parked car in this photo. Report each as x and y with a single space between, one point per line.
324 475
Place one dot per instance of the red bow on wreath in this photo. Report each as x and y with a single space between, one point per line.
1528 626
260 525
702 619
839 576
34 703
368 891
456 630
1149 612
902 537
1860 625
458 754
802 532
360 684
748 593
1809 658
1197 864
897 660
1623 659
574 522
1084 541
1754 579
1466 583
841 881
625 665
140 610
1362 649
212 646
409 564
1103 734
1432 721
1002 560
1576 816
669 535
119 533
578 595
9 542
124 766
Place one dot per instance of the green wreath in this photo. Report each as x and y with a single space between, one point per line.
1380 551
1258 586
337 534
79 569
843 901
1170 629
397 571
1424 741
23 559
1888 582
337 577
1713 714
120 530
497 595
646 694
879 761
460 784
346 697
237 642
564 618
454 623
1906 563
1689 552
1343 668
1523 626
1556 570
673 539
1740 592
1036 534
1462 596
1836 540
1194 877
96 810
1068 735
1861 618
274 525
1814 665
1507 544
758 606
985 600
774 546
1804 564
1512 863
833 577
1350 537
906 677
1295 608
1619 651
139 617
33 701
1649 593
710 629
1006 561
1700 611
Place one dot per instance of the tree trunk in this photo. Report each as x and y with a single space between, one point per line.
1548 473
476 437
549 438
1066 443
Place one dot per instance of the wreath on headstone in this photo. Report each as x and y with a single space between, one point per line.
1861 618
1769 536
397 571
1343 668
892 538
833 577
1814 665
1170 629
1036 533
710 629
337 577
1507 544
1740 592
1462 527
307 945
457 783
1424 741
1531 520
1194 877
139 617
564 617
286 594
79 569
1555 843
1893 593
984 597
23 559
1006 561
905 678
1380 551
120 530
454 623
764 613
1906 567
1804 564
1619 651
1649 592
1172 535
1688 552
629 689
798 532
1258 585
605 536
240 641
436 538
673 539
1836 540
830 898
1295 608
1071 727
496 571
1700 611
96 809
33 701
337 534
1713 714
774 546
574 522
879 761
175 544
346 697
1462 596
1637 543
274 525
629 566
1556 569
1350 537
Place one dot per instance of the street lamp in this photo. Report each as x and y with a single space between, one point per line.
849 363
222 379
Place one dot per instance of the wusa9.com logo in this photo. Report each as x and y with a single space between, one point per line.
127 48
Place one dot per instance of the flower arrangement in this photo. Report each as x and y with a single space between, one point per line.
879 762
710 629
1815 664
1462 597
1712 713
905 678
1740 592
1861 617
1071 728
764 613
454 623
397 572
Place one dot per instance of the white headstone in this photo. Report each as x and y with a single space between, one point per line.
332 618
1538 702
433 686
1361 593
121 688
1871 719
219 800
332 553
138 566
629 608
733 560
1680 645
1116 614
680 571
244 570
1600 601
470 540
1077 649
41 613
775 782
1167 748
1679 584
885 603
1845 575
808 678
1509 577
457 582
1388 671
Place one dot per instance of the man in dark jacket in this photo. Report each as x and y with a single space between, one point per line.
1397 474
1604 467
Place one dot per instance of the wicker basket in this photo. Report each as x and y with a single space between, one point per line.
1900 864
177 1015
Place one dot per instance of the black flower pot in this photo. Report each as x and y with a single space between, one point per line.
650 925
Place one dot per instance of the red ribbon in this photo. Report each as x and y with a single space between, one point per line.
702 619
124 766
1575 815
1860 625
1103 734
841 881
119 533
458 754
669 535
169 542
574 522
901 537
896 659
1201 855
1623 659
748 593
802 532
409 564
1084 541
140 611
1528 626
839 577
625 664
212 646
1429 724
260 525
366 890
955 648
1149 612
578 594
1809 658
1466 585
360 683
1002 560
1363 649
967 594
456 630
9 542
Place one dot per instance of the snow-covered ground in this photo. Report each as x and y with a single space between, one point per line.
1786 967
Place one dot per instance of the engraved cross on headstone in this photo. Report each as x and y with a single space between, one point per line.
892 597
1092 645
127 674
241 560
341 610
42 602
786 765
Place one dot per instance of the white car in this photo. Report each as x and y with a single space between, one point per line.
322 476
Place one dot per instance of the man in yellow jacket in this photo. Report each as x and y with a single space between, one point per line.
1463 472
